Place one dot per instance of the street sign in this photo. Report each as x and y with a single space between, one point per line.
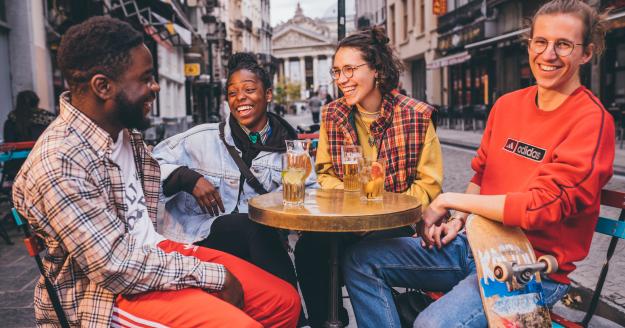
192 69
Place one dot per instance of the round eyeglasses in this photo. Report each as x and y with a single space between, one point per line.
348 71
562 48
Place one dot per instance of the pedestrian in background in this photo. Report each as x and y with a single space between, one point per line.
25 123
314 103
546 153
390 127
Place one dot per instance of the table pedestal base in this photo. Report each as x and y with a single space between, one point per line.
333 321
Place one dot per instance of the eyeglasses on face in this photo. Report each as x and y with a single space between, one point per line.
347 70
562 47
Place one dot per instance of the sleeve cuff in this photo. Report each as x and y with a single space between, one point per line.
515 208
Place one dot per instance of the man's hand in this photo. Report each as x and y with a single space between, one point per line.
208 197
442 234
432 216
232 291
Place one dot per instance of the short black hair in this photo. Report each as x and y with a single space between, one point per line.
99 45
248 61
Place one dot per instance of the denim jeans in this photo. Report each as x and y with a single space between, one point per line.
372 268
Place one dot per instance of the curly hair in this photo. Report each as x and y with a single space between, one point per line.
375 49
595 23
99 45
247 61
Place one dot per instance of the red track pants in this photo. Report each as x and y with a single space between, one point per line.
269 301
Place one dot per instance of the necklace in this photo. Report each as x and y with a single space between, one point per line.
370 139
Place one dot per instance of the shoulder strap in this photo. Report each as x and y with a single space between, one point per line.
245 171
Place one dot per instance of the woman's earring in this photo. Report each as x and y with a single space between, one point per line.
377 82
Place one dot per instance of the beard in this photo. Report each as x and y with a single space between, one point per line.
131 114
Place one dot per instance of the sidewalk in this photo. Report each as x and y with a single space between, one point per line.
585 276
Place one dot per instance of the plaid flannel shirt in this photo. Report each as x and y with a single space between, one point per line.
399 133
72 195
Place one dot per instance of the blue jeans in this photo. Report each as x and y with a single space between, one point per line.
372 268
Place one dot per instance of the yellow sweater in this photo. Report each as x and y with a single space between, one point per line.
429 180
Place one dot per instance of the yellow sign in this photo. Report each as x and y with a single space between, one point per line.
192 69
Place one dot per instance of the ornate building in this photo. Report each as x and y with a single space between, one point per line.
304 47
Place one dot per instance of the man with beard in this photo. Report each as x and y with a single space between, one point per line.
90 190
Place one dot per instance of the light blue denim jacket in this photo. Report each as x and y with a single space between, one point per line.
201 149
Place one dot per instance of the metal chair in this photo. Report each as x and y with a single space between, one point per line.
10 151
34 246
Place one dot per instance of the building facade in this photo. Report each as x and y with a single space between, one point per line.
304 47
411 26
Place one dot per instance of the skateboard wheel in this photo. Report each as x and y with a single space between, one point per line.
550 262
503 271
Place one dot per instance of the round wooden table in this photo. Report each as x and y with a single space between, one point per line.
327 210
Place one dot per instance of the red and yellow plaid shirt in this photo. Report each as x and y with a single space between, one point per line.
72 194
399 133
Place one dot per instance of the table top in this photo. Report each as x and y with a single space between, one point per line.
328 210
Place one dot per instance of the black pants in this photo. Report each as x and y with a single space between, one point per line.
312 255
315 116
258 244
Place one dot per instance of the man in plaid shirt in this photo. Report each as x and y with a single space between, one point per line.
90 190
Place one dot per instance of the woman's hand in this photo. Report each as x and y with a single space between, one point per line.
208 197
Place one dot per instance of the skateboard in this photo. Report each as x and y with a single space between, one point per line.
509 274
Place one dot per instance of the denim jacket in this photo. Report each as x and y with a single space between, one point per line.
201 149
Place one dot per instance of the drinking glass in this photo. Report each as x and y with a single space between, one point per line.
351 155
372 174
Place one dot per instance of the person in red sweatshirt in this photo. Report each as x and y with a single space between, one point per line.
546 152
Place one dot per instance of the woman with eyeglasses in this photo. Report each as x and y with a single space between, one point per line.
389 127
545 155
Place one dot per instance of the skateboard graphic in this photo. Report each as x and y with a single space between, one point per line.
509 274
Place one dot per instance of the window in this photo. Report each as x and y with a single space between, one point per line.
421 16
414 14
3 16
392 20
404 21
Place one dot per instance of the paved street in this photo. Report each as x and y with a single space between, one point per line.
18 271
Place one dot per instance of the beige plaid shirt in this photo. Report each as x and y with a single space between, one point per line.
72 194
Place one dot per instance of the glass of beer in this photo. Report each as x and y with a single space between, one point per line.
351 155
295 169
372 174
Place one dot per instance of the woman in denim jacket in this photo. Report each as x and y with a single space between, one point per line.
204 200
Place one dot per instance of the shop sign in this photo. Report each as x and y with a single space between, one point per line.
466 35
192 69
439 7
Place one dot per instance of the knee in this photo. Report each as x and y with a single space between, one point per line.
288 300
355 259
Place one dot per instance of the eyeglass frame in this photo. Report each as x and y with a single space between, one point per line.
345 74
529 43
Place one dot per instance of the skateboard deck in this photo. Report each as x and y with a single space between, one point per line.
508 274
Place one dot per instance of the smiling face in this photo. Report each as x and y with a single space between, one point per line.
361 86
247 99
553 72
137 91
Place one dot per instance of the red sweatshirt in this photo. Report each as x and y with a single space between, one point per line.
551 165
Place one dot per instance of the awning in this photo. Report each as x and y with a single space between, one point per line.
159 18
497 38
449 60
